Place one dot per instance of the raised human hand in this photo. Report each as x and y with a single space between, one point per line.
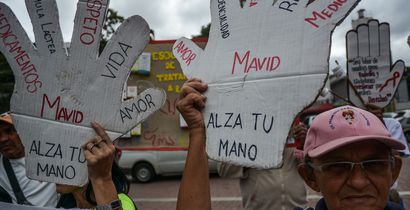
191 102
59 90
264 63
372 78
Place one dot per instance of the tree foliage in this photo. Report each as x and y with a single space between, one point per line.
6 84
112 21
204 31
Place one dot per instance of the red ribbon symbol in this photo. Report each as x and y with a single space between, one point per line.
394 78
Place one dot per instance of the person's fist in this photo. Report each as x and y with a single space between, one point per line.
191 102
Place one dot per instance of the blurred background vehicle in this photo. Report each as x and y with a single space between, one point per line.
307 120
145 165
402 114
405 123
389 114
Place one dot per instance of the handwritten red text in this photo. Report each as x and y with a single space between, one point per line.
11 43
91 21
61 113
255 63
185 54
326 13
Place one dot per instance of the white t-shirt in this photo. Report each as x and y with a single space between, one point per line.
396 132
42 194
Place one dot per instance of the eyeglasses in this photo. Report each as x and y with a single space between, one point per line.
337 169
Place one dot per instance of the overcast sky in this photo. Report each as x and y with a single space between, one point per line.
172 19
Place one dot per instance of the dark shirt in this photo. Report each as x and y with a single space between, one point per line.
321 205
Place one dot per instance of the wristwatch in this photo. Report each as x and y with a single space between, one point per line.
114 205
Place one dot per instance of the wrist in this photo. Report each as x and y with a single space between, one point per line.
196 125
102 180
114 205
197 129
197 137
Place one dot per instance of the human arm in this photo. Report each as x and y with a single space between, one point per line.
194 190
99 153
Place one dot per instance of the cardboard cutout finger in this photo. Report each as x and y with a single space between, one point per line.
374 38
371 76
189 55
20 54
363 40
88 23
385 49
138 109
352 45
53 118
44 17
122 51
250 66
221 10
15 44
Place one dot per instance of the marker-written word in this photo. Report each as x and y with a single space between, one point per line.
228 148
249 63
11 42
326 13
60 113
185 53
235 121
91 22
141 105
116 60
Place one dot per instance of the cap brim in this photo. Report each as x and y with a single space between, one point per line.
332 145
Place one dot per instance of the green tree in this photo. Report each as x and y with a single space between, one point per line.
111 23
6 84
204 31
152 34
6 75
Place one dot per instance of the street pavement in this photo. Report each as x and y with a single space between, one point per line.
162 193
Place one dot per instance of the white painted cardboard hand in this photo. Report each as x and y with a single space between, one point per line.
60 91
372 78
264 64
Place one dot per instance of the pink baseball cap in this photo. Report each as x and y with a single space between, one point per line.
342 126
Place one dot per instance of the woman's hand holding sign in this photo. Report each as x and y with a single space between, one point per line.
99 153
264 63
61 88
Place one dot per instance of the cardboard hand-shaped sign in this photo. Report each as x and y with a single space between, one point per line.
372 79
264 63
60 90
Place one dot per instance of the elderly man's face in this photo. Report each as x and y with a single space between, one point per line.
358 189
10 144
